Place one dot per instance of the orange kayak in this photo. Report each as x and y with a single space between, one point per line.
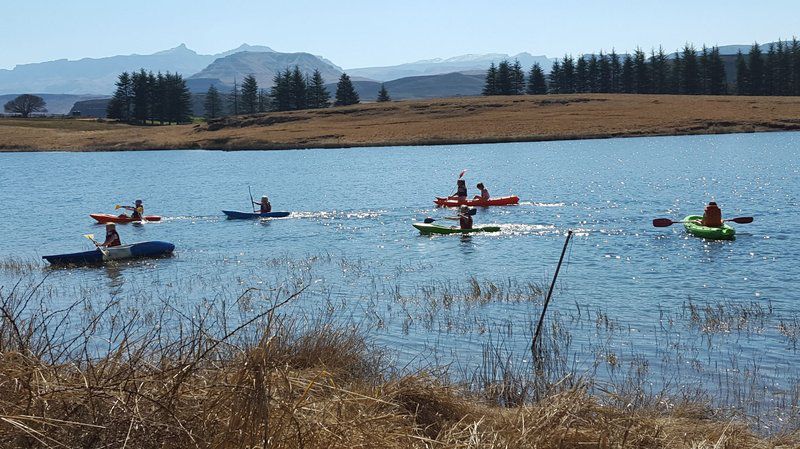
498 201
109 218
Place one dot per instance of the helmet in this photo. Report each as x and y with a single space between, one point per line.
264 198
465 209
111 226
138 201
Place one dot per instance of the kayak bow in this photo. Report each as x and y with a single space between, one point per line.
455 202
110 218
692 225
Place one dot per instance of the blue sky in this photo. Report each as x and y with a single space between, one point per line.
358 33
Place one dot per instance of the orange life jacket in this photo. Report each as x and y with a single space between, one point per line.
712 216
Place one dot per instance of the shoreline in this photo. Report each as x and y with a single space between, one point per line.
451 121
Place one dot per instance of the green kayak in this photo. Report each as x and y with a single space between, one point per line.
696 229
432 228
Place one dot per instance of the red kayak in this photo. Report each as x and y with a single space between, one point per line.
109 218
498 201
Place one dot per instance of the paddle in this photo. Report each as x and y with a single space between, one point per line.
91 237
252 203
143 219
460 175
664 222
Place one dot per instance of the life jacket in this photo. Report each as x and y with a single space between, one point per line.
461 190
465 221
712 216
115 241
138 212
266 207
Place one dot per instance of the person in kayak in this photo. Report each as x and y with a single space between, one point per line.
484 196
712 216
112 238
137 210
265 205
461 189
464 218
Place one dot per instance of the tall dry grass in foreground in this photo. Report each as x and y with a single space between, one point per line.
111 376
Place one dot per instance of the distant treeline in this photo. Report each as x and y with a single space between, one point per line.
291 90
143 97
688 72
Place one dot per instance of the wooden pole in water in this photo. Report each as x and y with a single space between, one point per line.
549 294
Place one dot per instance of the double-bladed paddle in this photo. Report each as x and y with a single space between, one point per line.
91 237
664 222
142 219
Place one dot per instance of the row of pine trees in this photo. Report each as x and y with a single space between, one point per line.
291 90
143 97
688 72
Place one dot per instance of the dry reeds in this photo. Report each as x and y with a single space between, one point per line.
170 378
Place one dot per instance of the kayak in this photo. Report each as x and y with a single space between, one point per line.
432 228
109 218
233 215
498 201
696 229
132 251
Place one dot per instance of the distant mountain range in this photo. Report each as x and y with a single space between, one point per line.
463 63
97 76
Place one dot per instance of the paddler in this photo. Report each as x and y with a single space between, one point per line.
461 189
464 218
137 210
112 238
712 216
484 196
265 206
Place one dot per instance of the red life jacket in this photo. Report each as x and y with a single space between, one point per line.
712 216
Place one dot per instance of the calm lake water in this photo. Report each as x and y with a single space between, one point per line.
350 238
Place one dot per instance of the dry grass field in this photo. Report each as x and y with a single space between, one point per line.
429 122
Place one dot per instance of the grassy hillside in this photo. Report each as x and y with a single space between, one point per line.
427 122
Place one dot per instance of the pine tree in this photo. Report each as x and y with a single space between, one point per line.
536 81
281 91
158 92
119 108
616 72
604 84
690 72
659 68
318 95
555 78
742 75
704 77
141 97
299 86
641 72
505 80
581 75
212 103
783 66
717 78
345 92
676 74
383 94
568 75
795 52
249 95
233 99
593 74
756 66
517 78
769 71
490 85
627 77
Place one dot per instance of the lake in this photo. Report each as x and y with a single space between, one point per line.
631 296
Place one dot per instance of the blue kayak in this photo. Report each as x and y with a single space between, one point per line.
245 215
132 251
